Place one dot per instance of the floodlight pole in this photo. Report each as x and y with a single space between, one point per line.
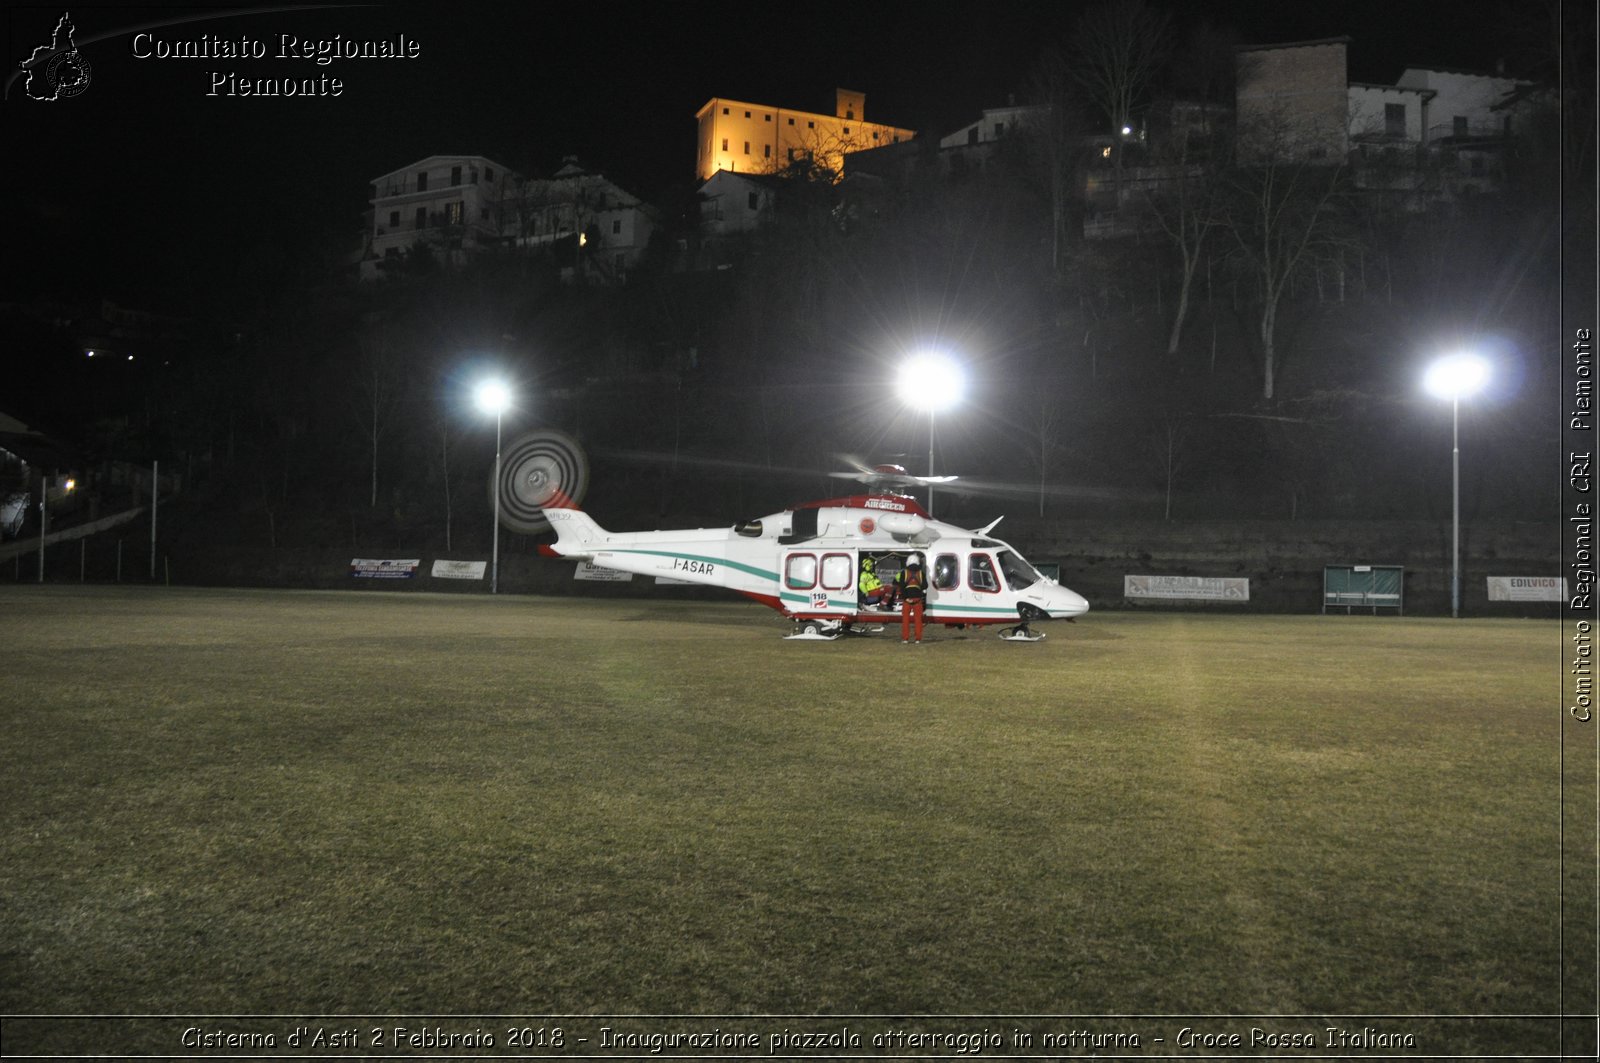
494 566
1455 506
44 518
931 416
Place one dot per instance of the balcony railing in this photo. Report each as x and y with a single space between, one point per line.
1471 130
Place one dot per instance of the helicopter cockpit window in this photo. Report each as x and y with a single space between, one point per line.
980 574
749 528
946 572
800 571
1019 573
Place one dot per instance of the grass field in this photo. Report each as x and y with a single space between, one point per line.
274 802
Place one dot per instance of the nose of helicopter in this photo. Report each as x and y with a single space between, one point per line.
1068 604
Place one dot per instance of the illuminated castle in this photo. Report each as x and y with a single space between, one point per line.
757 138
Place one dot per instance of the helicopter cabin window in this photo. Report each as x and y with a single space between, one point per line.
800 571
1018 573
946 572
980 574
838 572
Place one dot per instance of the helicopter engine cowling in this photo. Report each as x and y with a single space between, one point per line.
902 525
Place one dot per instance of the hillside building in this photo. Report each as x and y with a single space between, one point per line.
459 206
450 204
759 138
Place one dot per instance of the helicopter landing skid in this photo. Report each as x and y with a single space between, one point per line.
1020 633
817 630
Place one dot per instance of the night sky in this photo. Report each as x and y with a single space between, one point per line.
145 189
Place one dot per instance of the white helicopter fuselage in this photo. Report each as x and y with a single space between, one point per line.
806 562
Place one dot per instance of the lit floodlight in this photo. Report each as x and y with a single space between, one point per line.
492 397
1457 376
931 382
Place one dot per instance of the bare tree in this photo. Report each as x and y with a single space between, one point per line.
1168 446
1282 212
1045 424
1116 51
1187 207
378 394
1056 133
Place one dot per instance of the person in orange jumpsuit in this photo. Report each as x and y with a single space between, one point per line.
912 585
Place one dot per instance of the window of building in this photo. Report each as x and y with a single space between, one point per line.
849 116
488 174
616 226
453 213
422 217
455 176
846 130
768 117
753 201
394 219
811 125
724 143
747 114
1394 119
422 181
1458 125
747 147
766 150
724 110
791 121
483 213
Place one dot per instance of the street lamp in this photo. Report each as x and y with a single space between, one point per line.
931 382
1456 377
494 397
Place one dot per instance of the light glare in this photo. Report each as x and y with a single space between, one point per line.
931 382
1457 376
493 397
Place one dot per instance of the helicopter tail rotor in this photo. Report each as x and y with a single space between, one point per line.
544 469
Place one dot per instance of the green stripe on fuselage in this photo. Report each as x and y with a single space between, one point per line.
676 555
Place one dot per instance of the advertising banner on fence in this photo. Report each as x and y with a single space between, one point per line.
1186 588
459 569
600 575
1527 588
367 568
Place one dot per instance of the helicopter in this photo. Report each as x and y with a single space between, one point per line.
806 561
